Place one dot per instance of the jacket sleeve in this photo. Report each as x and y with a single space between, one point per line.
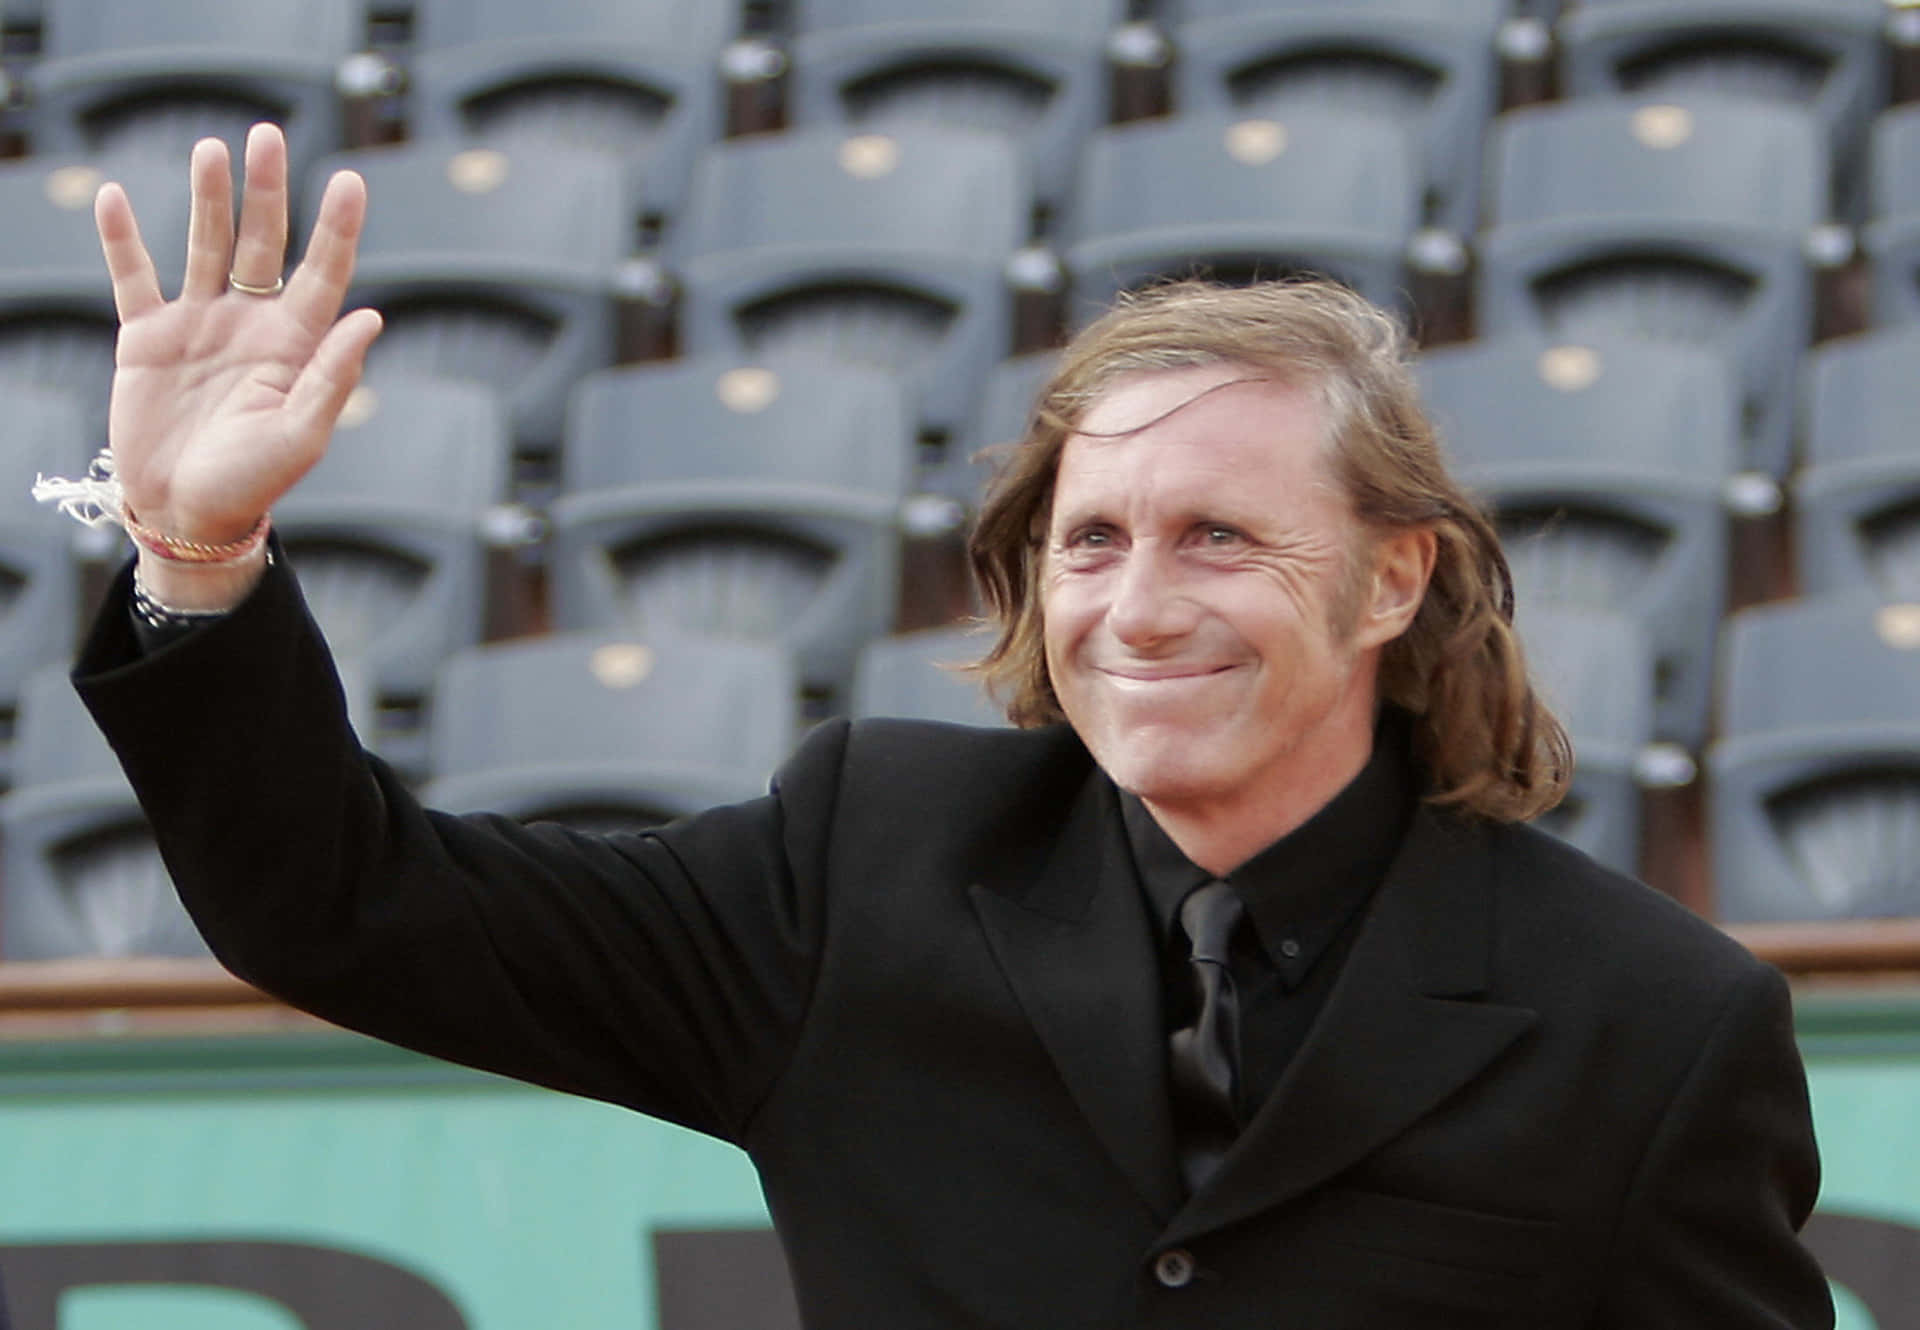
664 971
1709 1233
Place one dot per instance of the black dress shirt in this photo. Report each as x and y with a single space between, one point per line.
1304 895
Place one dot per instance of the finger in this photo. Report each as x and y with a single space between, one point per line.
318 394
319 284
136 287
260 250
210 223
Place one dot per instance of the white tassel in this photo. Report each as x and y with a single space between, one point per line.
95 500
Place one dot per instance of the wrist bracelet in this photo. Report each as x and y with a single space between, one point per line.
176 550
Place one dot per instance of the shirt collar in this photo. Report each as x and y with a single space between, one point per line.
1300 889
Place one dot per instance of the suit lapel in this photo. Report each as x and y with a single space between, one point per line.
1076 944
1395 1038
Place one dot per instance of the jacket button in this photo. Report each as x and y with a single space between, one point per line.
1174 1269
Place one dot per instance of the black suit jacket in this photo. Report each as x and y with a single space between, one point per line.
917 983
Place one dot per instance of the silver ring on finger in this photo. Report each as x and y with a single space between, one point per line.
273 288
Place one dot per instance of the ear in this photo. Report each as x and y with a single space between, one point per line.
1402 566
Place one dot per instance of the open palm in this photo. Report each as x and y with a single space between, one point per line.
223 399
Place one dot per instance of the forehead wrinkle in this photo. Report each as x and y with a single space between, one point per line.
1171 411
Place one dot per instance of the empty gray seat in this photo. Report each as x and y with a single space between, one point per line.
1607 466
1827 56
134 77
41 433
1240 198
1001 418
914 674
57 322
884 250
1679 224
1892 233
1815 795
79 872
756 501
82 874
1033 70
493 265
1429 65
389 531
636 79
1857 499
606 732
1595 670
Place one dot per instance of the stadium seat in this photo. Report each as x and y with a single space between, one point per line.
81 874
1034 70
638 79
1681 224
913 675
1857 500
1429 65
882 250
1607 466
57 323
388 533
757 501
41 433
1892 233
1237 198
1595 670
1827 56
1815 795
1006 406
131 77
495 266
606 732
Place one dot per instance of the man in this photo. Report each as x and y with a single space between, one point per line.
1237 999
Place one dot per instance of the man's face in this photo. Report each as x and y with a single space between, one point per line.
1212 614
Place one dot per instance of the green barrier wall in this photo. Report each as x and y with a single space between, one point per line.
253 1183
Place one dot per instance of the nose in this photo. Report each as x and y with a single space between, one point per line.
1149 606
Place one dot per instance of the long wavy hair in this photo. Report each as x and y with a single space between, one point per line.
1486 741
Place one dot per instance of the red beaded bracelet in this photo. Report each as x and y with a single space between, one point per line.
176 550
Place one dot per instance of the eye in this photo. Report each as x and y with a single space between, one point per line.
1090 537
1218 533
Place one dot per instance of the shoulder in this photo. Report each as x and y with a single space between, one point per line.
886 760
1569 927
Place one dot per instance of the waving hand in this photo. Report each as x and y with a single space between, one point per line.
225 396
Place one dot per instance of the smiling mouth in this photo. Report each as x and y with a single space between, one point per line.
1144 677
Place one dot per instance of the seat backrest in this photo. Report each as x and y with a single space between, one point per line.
1863 397
913 675
1893 188
929 191
219 29
1815 663
415 442
1622 404
580 698
662 25
1595 670
1719 163
51 247
56 739
1086 18
1334 173
713 419
441 204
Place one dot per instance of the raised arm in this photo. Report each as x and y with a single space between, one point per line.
224 397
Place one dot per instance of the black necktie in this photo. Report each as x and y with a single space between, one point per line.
1205 1054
